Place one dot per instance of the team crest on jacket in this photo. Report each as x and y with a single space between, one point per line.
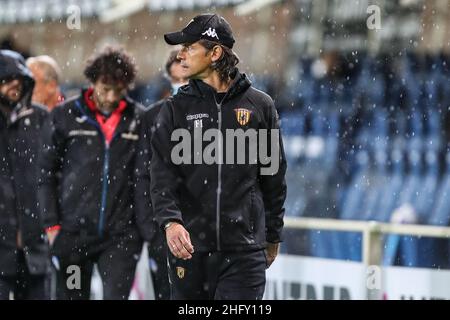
242 116
180 272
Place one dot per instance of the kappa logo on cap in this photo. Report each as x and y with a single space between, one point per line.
211 33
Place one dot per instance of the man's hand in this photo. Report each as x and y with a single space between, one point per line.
51 235
179 241
272 250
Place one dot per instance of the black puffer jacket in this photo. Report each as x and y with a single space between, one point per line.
20 142
87 186
225 207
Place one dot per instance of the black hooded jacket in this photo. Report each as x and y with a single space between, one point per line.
86 186
20 143
224 206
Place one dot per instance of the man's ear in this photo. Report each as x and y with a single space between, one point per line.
217 53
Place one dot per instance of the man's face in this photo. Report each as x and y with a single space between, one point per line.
195 60
44 89
11 89
108 95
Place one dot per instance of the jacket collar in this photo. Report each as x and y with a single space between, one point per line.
201 89
127 122
19 111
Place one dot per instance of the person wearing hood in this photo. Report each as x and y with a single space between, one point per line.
222 219
24 262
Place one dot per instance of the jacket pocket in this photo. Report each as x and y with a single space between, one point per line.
258 216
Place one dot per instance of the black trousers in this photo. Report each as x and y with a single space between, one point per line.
157 252
218 276
116 258
23 285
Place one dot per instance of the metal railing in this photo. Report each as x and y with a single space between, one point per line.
372 232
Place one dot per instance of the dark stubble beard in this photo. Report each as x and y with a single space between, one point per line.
7 103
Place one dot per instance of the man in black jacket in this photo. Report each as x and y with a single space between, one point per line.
86 193
23 251
206 193
144 211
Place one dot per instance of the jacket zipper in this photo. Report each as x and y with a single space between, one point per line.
219 166
219 176
19 227
101 219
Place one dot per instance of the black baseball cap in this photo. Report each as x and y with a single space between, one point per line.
205 26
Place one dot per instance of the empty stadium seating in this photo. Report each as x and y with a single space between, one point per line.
372 146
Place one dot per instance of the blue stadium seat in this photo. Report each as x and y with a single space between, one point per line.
434 252
408 196
331 141
295 241
292 129
391 192
345 244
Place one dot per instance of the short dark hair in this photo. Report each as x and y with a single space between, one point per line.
226 65
111 65
173 57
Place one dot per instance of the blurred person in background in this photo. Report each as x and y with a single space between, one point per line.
153 235
9 42
174 71
47 75
86 193
230 214
23 251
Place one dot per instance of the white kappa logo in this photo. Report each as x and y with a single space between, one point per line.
211 33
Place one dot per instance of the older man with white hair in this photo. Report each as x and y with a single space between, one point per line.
47 75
